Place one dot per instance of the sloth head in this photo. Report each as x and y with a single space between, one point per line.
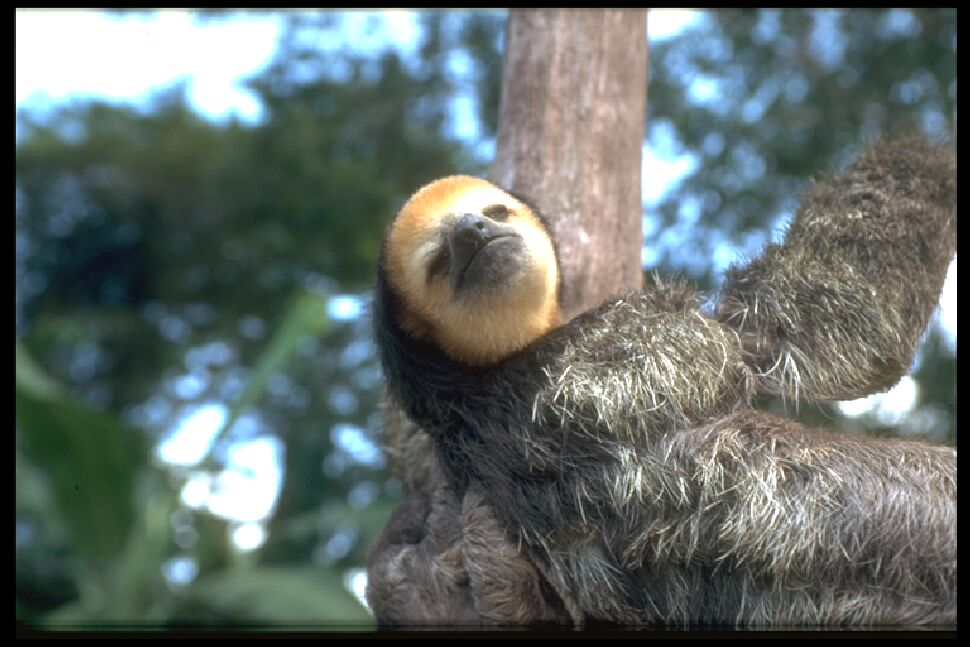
474 270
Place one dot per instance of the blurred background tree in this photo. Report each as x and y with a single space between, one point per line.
197 433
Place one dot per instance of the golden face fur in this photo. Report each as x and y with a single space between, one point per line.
512 297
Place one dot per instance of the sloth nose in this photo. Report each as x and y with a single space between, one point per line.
472 231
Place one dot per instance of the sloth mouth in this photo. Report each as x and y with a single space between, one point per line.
490 258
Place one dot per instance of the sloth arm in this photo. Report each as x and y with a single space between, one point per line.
836 311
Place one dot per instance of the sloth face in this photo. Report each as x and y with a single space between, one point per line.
479 254
475 269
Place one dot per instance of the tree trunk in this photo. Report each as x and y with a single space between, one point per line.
570 139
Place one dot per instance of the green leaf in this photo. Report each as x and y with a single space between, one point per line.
139 568
32 377
307 316
89 457
274 597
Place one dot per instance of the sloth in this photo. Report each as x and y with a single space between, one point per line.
620 451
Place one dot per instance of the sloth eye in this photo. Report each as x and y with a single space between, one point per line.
496 212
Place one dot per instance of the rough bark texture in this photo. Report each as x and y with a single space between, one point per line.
571 128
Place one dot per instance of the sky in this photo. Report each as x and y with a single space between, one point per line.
159 49
64 56
164 46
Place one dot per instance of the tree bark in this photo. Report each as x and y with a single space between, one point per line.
571 128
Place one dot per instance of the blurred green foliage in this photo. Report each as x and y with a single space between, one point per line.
165 262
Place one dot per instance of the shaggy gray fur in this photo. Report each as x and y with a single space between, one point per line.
836 311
